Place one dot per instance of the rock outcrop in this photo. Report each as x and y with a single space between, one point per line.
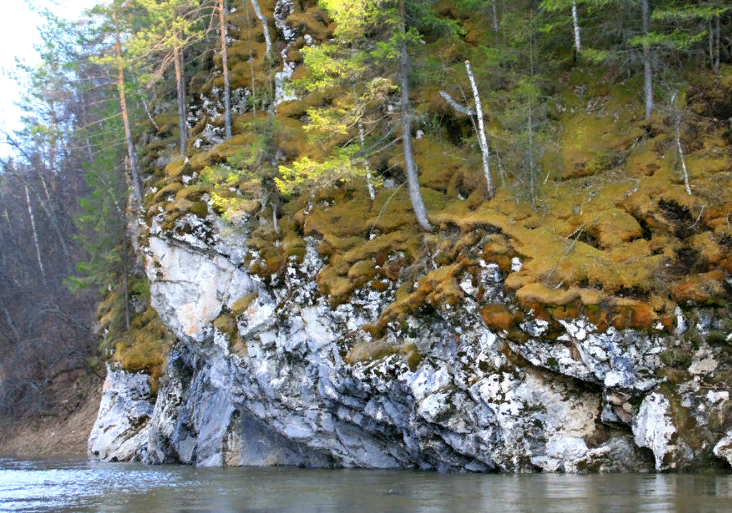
443 391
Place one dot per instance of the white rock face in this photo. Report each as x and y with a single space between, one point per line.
653 428
476 401
189 288
723 449
121 430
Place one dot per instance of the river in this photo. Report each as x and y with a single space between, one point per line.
74 485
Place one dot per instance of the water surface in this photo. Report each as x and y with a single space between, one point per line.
72 485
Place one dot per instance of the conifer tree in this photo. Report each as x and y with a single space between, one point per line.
375 39
113 26
172 25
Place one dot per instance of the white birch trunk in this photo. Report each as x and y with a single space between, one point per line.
274 218
35 234
648 73
481 132
455 105
575 19
265 28
225 65
681 151
366 164
149 115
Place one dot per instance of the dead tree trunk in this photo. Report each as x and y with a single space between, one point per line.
180 84
265 28
481 132
225 65
409 164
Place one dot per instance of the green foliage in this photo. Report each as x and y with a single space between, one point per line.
170 26
103 218
343 166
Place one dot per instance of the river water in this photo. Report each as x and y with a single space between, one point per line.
67 485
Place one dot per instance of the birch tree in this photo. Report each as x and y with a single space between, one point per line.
557 5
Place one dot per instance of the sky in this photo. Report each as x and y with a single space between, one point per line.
18 34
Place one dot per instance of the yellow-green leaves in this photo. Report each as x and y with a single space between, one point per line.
308 173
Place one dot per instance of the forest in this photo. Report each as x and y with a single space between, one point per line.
592 138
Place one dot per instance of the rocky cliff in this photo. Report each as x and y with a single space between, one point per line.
287 379
582 327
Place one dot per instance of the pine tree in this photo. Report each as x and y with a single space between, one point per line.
172 26
112 26
374 39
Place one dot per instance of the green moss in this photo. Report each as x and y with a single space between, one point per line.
242 304
677 357
226 324
716 338
200 209
364 352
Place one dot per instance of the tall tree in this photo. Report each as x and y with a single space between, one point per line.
375 39
225 64
114 26
647 70
172 25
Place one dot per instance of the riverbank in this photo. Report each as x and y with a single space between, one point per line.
64 432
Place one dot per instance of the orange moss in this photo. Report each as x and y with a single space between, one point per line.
699 288
498 317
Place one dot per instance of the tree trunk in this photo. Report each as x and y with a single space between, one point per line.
409 164
481 132
575 20
52 149
225 64
678 145
366 163
495 23
265 28
136 185
711 45
35 234
11 325
124 265
531 153
54 224
181 100
251 63
719 46
50 210
275 205
648 73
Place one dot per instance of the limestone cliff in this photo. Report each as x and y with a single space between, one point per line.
581 327
284 386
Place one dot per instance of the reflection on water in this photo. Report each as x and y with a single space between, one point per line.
79 486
